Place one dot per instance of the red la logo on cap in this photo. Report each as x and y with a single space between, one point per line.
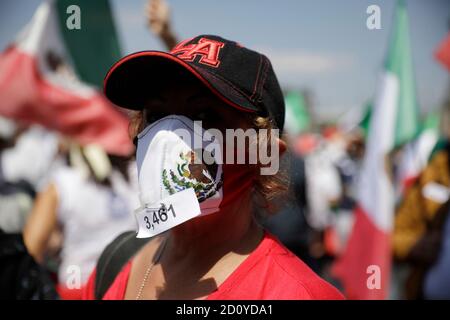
208 50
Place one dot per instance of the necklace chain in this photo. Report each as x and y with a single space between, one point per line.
149 270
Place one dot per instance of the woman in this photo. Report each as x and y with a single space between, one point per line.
220 251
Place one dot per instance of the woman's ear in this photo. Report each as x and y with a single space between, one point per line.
282 146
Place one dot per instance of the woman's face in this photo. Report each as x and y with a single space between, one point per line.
186 95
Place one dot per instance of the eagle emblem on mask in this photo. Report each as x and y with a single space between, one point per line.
190 173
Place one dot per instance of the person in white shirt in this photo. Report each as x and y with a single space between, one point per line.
92 202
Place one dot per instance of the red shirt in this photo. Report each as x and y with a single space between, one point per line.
271 272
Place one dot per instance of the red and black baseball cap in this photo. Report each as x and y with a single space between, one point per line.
241 77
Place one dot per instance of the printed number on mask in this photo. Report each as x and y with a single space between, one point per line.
158 215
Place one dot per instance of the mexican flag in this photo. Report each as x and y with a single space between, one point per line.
415 154
40 84
442 53
365 266
297 116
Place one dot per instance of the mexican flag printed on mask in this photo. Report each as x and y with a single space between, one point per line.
39 84
365 266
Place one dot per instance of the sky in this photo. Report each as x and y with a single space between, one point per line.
320 45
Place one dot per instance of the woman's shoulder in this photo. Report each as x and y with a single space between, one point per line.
117 289
118 262
297 279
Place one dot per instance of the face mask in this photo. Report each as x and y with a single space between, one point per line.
175 185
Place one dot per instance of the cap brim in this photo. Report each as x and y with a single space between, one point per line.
130 79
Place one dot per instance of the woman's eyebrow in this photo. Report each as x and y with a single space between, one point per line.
155 98
198 96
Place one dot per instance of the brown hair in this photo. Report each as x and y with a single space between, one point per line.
269 187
